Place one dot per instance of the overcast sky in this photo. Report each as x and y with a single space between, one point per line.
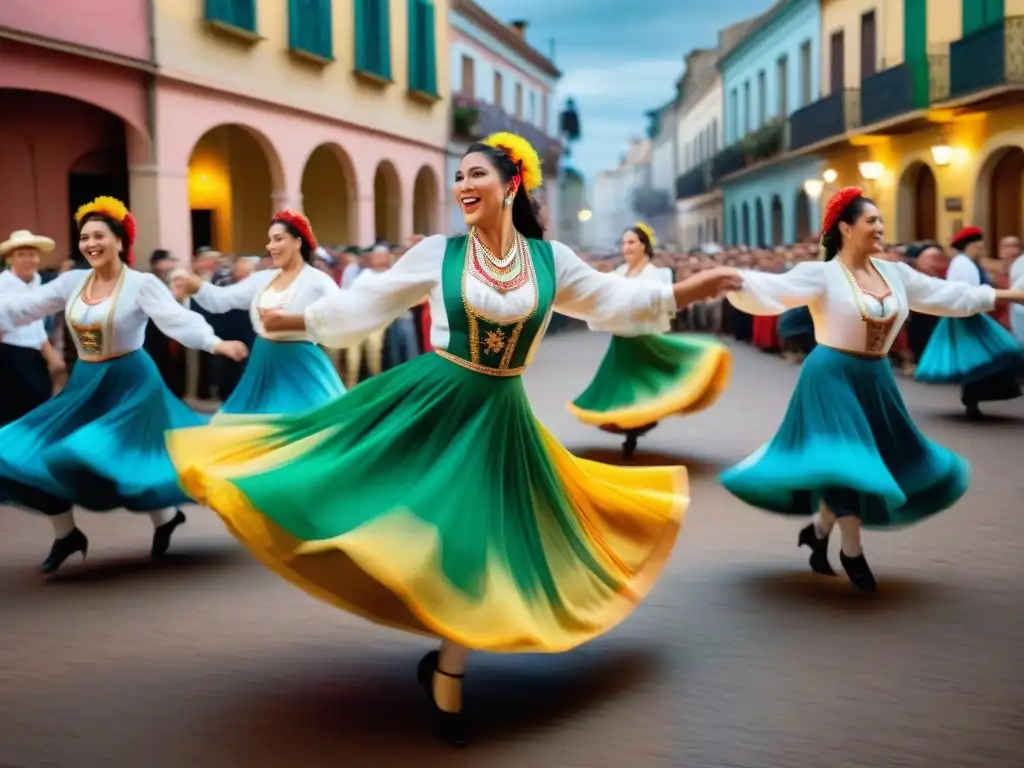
619 59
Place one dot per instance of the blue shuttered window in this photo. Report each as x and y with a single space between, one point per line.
310 27
373 37
422 48
233 13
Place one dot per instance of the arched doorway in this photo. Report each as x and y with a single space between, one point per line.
425 202
803 216
387 203
329 196
918 207
734 226
999 195
745 240
57 153
231 180
760 240
778 228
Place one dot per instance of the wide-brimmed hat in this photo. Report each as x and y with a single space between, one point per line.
22 238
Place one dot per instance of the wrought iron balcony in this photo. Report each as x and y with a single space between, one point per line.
695 181
987 58
887 94
827 118
472 119
729 160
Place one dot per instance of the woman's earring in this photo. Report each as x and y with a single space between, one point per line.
509 199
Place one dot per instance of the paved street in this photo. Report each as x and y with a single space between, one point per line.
740 659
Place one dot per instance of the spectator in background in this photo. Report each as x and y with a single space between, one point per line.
235 325
167 353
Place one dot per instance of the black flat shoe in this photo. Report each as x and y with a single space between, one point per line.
819 550
64 548
451 726
162 534
859 572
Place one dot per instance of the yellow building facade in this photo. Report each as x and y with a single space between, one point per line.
335 107
934 94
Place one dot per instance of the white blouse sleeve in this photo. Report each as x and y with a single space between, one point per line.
946 298
24 308
963 270
183 325
217 299
344 318
768 293
606 300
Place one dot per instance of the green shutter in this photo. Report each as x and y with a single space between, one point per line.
309 27
915 48
373 37
422 47
978 14
236 13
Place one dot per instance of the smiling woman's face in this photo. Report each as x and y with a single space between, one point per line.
98 243
478 188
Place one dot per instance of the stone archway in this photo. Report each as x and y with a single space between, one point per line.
778 225
999 196
803 216
917 207
233 171
329 197
387 203
425 202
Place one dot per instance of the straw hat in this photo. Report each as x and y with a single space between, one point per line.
22 238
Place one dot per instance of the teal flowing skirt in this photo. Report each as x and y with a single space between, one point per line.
963 350
284 377
99 444
848 441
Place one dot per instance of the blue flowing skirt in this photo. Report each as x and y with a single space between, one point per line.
99 444
284 377
963 350
848 441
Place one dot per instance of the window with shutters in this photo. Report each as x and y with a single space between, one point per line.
234 14
979 14
373 38
499 91
519 101
422 48
310 28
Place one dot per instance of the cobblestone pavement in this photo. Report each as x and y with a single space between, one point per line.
740 658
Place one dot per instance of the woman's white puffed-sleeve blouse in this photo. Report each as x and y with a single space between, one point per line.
836 303
610 301
114 326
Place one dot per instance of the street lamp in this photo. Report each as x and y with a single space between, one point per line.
942 154
871 170
584 215
813 188
830 176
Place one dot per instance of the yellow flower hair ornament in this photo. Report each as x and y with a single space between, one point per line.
646 229
522 153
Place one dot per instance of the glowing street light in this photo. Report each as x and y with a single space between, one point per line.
813 188
584 215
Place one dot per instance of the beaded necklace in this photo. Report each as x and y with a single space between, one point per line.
877 328
505 274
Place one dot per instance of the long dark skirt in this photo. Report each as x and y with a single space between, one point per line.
24 382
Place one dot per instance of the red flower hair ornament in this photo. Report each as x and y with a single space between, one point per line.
836 205
300 222
113 208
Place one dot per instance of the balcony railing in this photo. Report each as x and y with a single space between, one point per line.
472 119
729 160
889 93
695 181
987 58
827 118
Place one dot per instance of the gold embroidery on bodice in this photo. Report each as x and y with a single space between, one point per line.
877 330
90 337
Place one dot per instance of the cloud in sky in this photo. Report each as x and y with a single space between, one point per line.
619 59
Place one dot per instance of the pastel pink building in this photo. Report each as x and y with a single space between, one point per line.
207 116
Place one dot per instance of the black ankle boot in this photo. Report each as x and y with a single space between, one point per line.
859 572
162 534
451 726
64 548
819 550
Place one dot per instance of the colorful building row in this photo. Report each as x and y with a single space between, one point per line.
918 101
207 115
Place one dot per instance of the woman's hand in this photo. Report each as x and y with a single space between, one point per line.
188 283
707 285
275 321
233 350
1012 296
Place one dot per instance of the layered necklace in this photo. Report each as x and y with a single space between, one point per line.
502 274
